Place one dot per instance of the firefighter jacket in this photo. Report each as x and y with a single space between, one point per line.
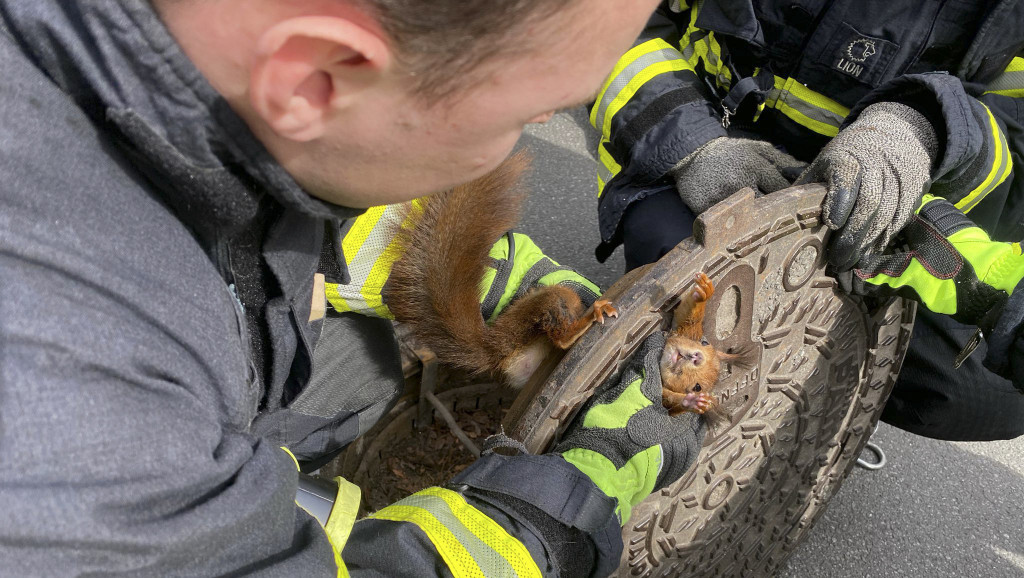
794 73
157 275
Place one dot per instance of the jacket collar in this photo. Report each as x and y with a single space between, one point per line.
119 63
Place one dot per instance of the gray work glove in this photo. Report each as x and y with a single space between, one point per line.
726 165
624 439
876 170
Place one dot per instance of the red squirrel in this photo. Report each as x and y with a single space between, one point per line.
434 287
689 364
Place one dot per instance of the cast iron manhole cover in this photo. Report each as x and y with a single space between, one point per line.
800 417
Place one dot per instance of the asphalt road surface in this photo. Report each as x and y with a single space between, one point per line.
936 510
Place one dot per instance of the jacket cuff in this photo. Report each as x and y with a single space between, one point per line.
555 501
676 136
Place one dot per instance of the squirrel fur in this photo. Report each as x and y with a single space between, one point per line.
435 286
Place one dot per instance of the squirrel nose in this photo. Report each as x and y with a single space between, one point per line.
698 357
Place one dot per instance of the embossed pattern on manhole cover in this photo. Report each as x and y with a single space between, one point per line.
800 416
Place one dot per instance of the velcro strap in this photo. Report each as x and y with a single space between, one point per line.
752 85
930 247
654 113
574 500
946 218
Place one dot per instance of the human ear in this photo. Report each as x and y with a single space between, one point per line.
306 68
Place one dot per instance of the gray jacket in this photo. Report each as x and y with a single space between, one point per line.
156 275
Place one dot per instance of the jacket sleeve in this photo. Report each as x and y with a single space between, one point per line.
980 126
124 408
370 250
654 109
526 516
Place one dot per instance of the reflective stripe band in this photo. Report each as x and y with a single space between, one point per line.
1002 165
678 6
636 67
607 168
292 456
470 543
370 252
688 44
1011 81
805 107
343 516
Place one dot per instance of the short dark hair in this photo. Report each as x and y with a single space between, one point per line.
443 41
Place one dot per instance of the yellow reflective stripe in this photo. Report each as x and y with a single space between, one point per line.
634 85
334 297
607 168
1002 165
723 76
636 67
374 283
470 543
371 250
360 231
1011 81
806 107
342 518
292 456
685 44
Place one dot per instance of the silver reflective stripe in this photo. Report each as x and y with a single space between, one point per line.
791 100
688 52
1007 81
603 173
627 74
996 180
490 562
676 6
695 35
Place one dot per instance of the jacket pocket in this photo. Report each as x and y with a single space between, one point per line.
864 58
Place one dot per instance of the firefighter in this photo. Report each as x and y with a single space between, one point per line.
169 173
882 101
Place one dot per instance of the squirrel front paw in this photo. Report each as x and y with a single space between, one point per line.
704 289
692 402
604 307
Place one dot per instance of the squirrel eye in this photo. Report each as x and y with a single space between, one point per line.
704 341
696 387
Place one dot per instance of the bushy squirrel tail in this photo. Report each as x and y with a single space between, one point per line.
435 286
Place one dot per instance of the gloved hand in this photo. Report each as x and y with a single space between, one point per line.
876 170
950 265
625 441
726 165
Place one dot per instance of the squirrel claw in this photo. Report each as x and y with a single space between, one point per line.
704 289
696 402
604 307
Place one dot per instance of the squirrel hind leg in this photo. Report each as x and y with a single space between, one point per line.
567 319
